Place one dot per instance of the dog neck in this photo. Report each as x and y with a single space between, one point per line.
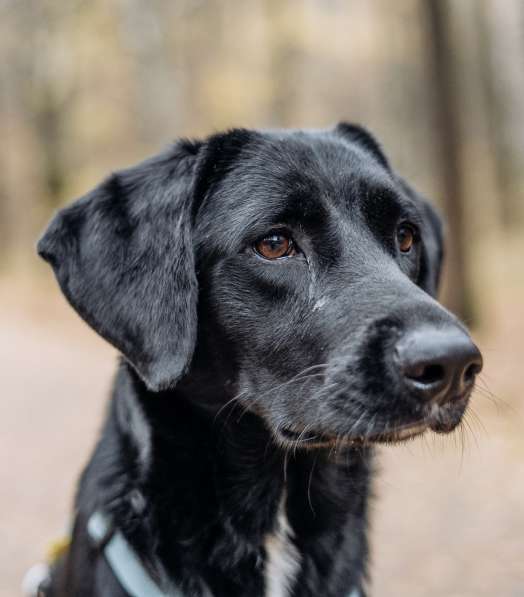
213 503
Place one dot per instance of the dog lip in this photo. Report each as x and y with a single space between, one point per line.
325 440
400 433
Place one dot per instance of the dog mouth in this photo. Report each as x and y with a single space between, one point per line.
440 419
312 440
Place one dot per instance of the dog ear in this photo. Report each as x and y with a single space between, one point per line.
217 158
362 137
123 256
433 256
432 241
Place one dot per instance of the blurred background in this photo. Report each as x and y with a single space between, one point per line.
89 87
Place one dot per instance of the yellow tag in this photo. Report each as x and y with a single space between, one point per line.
57 548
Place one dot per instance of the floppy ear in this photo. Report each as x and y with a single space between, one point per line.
432 242
123 256
362 137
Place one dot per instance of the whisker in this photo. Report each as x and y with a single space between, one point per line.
309 485
299 377
303 376
482 385
467 425
499 403
228 403
476 419
285 466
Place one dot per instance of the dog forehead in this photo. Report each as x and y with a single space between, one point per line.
309 160
293 177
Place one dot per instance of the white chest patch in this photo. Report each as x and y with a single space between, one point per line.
283 558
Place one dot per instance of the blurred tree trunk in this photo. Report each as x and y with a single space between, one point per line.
4 214
447 139
4 211
144 31
500 26
44 88
48 119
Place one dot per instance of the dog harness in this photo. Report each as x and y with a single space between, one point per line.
125 563
121 558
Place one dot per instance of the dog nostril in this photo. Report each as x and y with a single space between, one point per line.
426 375
471 372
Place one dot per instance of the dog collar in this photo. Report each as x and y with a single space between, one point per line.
125 563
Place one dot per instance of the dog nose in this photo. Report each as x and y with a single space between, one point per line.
440 364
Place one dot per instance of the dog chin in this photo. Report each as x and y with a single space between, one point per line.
444 419
441 419
303 440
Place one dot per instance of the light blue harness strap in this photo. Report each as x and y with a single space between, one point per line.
125 564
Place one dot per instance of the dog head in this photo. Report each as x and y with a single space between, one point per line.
295 270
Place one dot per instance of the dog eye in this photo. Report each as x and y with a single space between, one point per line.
406 237
275 245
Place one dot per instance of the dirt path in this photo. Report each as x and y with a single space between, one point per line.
447 522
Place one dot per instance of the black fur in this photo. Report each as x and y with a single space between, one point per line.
245 384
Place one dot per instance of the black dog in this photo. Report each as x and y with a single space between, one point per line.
271 295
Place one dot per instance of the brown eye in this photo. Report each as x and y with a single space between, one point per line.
275 246
405 237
